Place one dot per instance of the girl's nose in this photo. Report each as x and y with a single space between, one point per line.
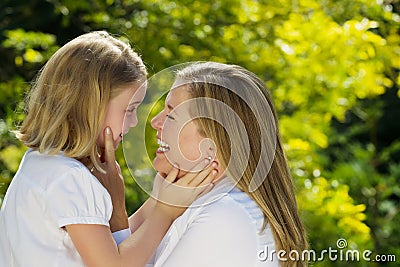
131 121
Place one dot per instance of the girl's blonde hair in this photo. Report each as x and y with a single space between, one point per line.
68 100
256 156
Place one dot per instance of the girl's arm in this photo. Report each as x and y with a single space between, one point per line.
136 219
96 245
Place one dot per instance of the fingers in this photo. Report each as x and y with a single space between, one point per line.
188 178
118 167
186 189
206 176
173 174
109 151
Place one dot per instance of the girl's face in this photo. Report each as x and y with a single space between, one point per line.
177 134
122 108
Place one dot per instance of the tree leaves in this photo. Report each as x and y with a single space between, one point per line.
331 66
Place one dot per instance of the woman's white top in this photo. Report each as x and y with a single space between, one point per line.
47 193
220 229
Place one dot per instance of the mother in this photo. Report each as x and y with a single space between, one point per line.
225 112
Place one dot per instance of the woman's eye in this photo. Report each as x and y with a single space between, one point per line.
130 110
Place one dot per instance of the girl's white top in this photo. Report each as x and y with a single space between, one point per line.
46 194
220 229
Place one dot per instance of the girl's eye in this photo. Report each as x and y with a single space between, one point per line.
130 110
170 117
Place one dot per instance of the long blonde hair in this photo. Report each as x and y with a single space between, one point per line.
259 156
68 100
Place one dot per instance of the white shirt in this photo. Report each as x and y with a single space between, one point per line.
47 193
222 228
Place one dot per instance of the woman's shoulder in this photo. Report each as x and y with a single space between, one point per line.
236 205
228 200
230 206
244 202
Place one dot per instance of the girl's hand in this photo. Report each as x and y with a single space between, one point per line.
174 197
113 181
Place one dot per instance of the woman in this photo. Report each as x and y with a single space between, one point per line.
226 112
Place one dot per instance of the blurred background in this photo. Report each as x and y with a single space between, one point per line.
332 66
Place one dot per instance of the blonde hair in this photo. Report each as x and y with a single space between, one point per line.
246 161
68 100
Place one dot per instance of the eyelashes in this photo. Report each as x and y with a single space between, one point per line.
130 110
170 117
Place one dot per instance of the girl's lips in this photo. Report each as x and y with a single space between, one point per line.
119 138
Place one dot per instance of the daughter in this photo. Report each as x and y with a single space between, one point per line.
56 213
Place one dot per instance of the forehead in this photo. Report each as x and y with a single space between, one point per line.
177 95
139 90
135 93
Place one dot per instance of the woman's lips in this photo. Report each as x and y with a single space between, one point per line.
163 147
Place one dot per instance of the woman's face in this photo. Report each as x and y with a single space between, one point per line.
177 134
121 112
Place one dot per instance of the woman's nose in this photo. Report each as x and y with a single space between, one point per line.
156 122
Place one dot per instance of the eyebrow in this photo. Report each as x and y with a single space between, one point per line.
171 108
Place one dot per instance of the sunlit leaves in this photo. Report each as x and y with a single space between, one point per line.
328 204
32 47
21 39
11 156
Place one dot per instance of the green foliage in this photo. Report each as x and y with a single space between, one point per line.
332 67
25 51
370 167
25 44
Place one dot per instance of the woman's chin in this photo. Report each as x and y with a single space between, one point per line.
163 174
161 167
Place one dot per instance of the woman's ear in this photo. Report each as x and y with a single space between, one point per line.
221 171
208 149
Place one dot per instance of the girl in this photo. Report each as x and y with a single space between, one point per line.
56 213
